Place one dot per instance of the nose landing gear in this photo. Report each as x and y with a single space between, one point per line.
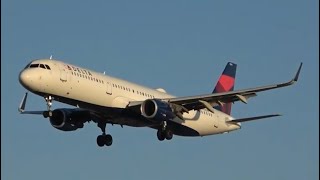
48 100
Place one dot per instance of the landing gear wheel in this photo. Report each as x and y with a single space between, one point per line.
160 135
164 132
101 140
104 139
108 140
47 114
168 134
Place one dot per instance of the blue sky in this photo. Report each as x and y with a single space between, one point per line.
181 46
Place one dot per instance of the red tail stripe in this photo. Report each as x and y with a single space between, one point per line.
226 82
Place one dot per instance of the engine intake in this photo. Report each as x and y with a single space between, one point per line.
68 119
157 110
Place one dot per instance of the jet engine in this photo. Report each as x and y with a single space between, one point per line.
69 119
157 110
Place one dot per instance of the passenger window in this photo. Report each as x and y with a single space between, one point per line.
42 66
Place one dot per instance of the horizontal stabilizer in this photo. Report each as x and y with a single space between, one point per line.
253 118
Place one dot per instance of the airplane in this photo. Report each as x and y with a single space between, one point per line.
106 100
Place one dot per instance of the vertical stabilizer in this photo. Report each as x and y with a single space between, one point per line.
225 84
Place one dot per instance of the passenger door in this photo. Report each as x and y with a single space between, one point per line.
109 88
63 74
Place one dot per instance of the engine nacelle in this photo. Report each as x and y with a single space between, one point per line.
157 110
68 119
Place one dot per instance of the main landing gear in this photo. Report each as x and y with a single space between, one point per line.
164 132
104 139
49 104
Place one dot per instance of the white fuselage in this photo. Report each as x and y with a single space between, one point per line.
66 81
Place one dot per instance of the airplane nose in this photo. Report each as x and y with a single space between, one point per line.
26 79
23 77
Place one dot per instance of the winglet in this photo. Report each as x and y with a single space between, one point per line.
295 79
298 72
23 103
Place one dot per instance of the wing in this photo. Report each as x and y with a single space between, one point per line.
209 100
185 104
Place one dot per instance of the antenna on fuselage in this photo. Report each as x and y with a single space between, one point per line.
50 56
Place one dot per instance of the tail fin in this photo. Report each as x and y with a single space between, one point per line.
225 84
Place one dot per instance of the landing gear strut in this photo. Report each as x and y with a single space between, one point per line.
49 104
164 133
104 139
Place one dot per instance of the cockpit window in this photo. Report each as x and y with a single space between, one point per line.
27 66
34 65
43 66
47 67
